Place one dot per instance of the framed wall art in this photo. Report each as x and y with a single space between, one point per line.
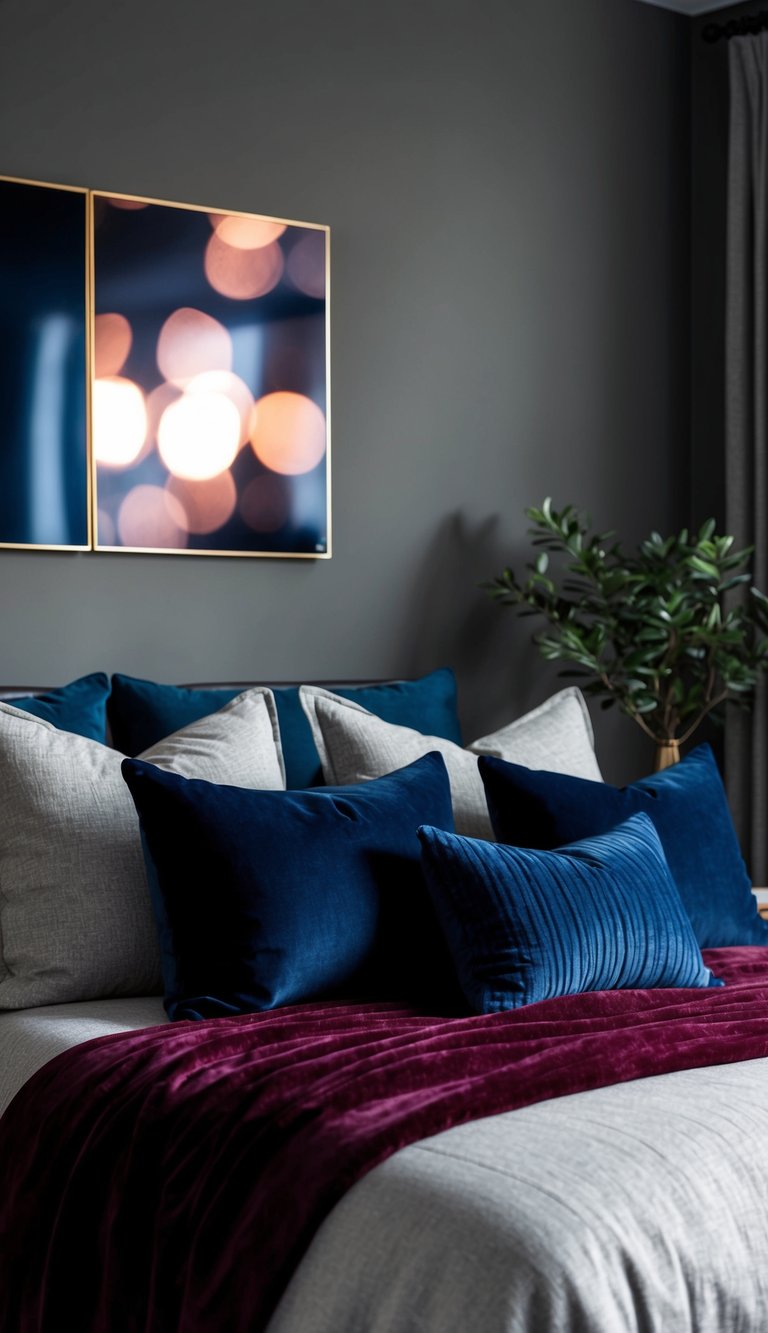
210 381
45 501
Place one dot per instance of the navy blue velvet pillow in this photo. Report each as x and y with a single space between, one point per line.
80 707
522 925
689 809
142 712
266 898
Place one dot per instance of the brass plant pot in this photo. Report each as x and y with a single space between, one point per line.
667 754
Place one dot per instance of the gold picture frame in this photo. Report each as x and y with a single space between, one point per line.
252 293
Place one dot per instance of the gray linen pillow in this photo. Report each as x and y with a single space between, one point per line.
354 746
76 921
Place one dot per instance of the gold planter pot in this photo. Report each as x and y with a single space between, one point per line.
667 754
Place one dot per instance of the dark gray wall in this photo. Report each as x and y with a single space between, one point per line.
709 181
507 187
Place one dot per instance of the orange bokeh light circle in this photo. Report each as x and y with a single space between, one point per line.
119 422
245 233
149 517
190 343
199 435
242 275
288 433
232 387
128 205
161 397
113 337
305 265
207 505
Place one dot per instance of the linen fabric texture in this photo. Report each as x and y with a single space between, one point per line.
143 711
523 925
355 746
271 898
689 809
76 920
80 707
217 1150
615 1209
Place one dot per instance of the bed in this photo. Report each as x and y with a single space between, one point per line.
627 1189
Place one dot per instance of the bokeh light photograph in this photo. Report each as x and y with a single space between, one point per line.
210 403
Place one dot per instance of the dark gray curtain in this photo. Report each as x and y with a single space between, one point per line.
746 738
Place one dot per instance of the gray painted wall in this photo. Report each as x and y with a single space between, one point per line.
709 183
507 186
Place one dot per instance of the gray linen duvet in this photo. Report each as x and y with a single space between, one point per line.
639 1208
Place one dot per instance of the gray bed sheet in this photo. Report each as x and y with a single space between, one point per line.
639 1208
29 1038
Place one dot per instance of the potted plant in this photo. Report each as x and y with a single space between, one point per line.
669 633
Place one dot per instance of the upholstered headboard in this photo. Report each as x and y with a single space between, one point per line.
11 692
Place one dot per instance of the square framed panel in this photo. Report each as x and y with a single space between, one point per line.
210 382
45 501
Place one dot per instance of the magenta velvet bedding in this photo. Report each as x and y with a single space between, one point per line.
169 1180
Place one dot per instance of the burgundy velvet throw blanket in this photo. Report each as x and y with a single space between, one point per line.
169 1180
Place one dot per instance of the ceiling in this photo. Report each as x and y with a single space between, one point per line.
687 6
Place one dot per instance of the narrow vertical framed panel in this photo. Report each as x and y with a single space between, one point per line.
211 381
45 477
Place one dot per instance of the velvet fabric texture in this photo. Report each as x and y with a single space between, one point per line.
601 914
177 1174
268 898
689 808
80 707
141 712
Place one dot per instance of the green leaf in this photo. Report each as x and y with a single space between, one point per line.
703 566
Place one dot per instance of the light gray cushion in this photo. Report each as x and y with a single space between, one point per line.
75 916
354 746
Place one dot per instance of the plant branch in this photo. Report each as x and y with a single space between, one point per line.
719 699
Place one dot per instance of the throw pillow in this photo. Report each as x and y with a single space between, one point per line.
80 707
142 711
522 925
689 809
270 898
354 746
75 916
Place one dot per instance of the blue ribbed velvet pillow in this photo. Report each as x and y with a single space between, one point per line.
80 707
689 809
264 898
522 925
142 712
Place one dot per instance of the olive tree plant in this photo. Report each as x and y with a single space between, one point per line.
669 632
